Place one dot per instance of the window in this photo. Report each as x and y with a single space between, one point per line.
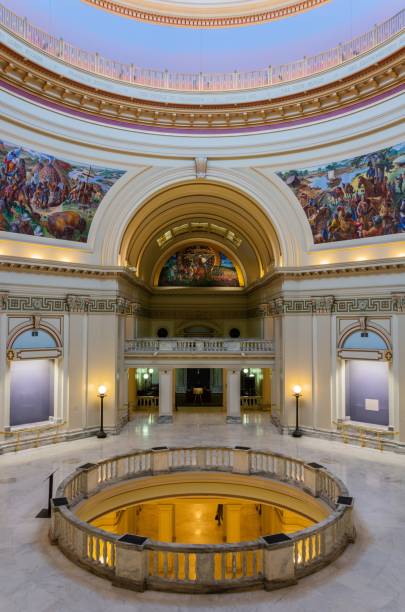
34 339
365 339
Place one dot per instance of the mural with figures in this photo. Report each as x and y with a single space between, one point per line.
198 266
361 197
41 195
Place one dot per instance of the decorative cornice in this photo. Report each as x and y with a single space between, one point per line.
202 15
329 304
11 264
30 80
393 303
71 304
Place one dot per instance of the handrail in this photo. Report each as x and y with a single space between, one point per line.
19 432
198 345
200 81
141 563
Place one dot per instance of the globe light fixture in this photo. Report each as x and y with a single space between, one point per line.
297 433
146 376
150 370
246 370
102 392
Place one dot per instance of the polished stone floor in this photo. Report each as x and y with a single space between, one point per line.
369 576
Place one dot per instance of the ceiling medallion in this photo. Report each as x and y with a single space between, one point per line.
206 13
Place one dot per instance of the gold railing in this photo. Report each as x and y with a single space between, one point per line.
254 402
200 81
20 434
364 434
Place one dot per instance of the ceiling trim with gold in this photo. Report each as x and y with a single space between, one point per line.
206 13
22 77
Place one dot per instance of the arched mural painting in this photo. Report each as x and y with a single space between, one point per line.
360 197
199 265
41 195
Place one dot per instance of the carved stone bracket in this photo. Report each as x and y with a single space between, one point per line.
77 303
322 304
201 164
277 306
3 301
123 306
398 302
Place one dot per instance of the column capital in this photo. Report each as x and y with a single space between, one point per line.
77 303
322 304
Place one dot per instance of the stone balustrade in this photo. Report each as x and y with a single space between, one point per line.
200 81
239 346
140 563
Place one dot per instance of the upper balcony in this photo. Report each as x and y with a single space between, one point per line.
239 347
129 74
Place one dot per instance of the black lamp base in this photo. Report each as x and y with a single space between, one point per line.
101 434
297 433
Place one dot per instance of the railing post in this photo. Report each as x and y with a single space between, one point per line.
205 568
201 463
278 561
122 467
270 75
350 531
312 481
375 35
160 459
89 478
56 520
131 562
241 460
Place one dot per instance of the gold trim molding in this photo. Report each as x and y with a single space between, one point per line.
363 87
202 14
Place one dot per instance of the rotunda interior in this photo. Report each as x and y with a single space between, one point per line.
202 271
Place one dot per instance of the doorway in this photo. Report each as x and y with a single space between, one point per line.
199 387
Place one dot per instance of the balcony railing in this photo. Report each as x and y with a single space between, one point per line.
200 81
142 563
238 346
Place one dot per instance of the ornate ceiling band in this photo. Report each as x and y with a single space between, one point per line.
202 15
38 84
13 265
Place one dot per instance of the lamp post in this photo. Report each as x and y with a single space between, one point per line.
297 433
102 392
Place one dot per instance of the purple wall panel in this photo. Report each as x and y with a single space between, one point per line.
31 391
367 380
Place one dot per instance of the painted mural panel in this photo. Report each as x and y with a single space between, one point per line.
198 266
41 195
360 197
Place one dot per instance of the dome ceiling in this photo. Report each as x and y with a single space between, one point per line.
206 13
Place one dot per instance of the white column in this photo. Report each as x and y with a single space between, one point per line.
233 396
165 395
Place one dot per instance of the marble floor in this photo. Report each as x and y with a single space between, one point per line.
369 576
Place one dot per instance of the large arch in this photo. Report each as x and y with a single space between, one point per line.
256 204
